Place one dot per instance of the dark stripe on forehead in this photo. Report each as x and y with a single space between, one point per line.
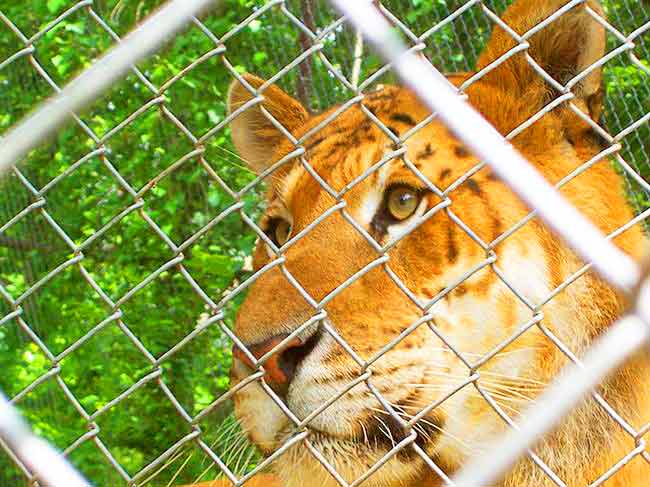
313 143
474 187
403 117
426 152
371 108
461 151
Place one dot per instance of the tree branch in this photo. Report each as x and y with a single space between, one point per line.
305 81
19 244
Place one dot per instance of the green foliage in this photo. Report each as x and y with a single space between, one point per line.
145 424
88 201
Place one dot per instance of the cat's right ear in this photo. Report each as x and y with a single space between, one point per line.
564 48
254 135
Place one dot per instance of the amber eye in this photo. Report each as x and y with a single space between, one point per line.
280 231
402 201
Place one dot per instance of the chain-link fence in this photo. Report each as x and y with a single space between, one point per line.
126 243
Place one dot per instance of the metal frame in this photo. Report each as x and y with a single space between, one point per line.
375 22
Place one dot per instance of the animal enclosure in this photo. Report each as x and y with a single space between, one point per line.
126 237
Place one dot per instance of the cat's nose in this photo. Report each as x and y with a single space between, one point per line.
280 367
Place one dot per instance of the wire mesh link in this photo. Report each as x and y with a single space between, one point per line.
522 46
140 197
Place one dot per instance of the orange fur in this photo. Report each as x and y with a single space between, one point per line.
476 316
257 481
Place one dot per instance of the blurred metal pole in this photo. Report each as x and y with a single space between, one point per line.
358 58
138 44
48 466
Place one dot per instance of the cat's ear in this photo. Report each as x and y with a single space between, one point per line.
254 135
564 48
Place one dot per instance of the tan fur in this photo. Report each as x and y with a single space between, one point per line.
476 316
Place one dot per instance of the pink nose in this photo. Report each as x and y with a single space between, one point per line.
280 367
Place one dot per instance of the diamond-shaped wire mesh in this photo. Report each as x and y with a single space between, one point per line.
125 243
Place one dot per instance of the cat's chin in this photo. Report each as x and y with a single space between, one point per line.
318 459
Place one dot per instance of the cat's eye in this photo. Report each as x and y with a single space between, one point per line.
402 201
279 231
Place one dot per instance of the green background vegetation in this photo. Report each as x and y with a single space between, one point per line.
144 425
